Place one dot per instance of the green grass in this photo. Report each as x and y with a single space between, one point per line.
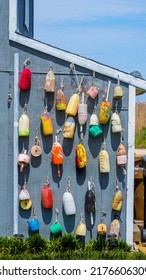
67 247
140 139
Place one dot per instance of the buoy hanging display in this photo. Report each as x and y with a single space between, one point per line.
50 81
90 200
24 198
23 159
57 153
36 150
68 201
118 91
104 161
25 77
121 156
47 196
117 199
69 128
81 229
24 124
56 228
46 122
105 108
34 224
81 157
72 106
60 98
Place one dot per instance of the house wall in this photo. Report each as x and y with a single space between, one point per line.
40 169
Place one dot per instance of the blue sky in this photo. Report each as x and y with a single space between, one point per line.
111 32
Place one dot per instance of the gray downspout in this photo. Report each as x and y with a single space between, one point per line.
15 144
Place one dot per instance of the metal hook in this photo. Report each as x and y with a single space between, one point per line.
26 62
72 66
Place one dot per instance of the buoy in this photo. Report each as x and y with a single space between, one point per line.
47 196
72 106
60 98
90 200
104 161
36 150
81 228
121 156
68 201
50 81
94 126
25 79
23 159
34 224
102 228
69 128
47 126
24 198
105 108
118 91
93 91
57 153
81 157
116 123
117 199
56 227
24 123
114 231
82 111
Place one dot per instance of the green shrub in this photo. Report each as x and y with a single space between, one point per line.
67 247
36 244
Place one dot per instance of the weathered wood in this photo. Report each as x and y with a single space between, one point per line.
136 233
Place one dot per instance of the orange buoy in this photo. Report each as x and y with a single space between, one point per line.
57 153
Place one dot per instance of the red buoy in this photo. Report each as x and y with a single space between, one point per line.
47 196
